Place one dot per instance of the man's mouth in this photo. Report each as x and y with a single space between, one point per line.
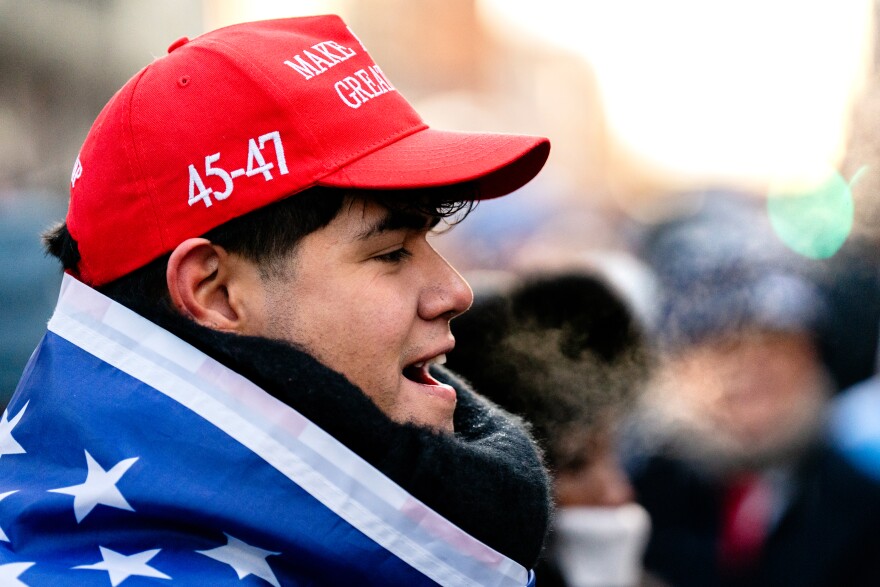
419 371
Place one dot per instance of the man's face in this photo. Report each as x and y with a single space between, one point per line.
745 400
369 297
601 480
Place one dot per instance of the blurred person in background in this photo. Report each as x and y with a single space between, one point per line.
728 451
564 352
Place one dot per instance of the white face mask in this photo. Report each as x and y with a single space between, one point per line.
601 546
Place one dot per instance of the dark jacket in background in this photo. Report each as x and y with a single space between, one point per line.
827 536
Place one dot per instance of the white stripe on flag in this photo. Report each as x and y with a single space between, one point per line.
303 452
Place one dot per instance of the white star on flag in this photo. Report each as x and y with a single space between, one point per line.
244 558
99 488
3 496
9 574
8 445
121 567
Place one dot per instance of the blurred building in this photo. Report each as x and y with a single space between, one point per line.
60 61
863 145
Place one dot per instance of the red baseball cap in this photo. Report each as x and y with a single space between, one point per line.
246 115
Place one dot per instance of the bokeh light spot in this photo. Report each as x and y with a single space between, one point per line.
813 221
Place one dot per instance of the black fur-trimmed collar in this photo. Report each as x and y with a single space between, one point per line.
488 478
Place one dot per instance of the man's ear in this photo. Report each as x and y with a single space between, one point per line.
211 286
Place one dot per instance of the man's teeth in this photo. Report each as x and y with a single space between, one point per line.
438 360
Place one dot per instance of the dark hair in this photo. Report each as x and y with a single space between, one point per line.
266 235
562 351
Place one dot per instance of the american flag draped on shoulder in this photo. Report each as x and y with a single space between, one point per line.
127 457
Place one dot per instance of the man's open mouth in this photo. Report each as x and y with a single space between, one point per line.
419 371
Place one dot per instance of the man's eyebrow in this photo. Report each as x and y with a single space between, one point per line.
397 220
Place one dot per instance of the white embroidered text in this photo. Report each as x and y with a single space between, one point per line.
256 165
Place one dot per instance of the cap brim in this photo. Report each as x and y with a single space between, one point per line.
497 163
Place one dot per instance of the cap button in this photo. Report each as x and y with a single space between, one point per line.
178 43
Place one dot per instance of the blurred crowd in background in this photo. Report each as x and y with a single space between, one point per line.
685 303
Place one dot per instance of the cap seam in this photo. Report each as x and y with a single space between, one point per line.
136 161
277 90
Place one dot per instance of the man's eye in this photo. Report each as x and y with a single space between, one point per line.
395 256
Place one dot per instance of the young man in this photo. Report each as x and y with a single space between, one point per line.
271 411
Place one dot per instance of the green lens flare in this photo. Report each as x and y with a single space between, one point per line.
814 222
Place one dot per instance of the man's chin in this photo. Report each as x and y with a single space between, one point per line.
440 427
435 420
430 421
430 404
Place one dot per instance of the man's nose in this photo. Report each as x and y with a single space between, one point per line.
616 487
445 294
